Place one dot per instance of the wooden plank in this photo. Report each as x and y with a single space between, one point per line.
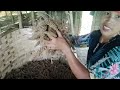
20 19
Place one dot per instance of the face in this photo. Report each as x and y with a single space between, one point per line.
110 23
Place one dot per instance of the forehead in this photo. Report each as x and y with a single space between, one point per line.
115 12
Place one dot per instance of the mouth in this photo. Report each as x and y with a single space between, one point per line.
106 29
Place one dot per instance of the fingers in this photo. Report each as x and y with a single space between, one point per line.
51 46
47 42
59 33
49 35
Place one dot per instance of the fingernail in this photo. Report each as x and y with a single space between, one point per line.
45 47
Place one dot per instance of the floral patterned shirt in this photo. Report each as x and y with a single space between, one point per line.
103 60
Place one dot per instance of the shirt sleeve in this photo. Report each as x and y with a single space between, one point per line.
108 67
78 41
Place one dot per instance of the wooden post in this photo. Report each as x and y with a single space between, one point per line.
26 12
96 20
12 17
77 24
6 13
0 30
71 22
56 15
20 19
32 17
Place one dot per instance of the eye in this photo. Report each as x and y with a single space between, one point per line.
107 13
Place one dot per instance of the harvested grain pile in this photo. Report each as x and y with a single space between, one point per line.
43 69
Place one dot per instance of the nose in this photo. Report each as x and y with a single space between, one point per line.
109 20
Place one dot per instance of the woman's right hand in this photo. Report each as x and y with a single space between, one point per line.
58 43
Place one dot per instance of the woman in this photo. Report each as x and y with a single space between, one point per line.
103 60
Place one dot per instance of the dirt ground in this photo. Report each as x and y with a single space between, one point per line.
43 69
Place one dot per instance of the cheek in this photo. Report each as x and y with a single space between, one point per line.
116 26
116 29
103 20
102 23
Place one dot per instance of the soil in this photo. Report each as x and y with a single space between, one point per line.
43 69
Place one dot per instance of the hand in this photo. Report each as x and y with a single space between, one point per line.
57 43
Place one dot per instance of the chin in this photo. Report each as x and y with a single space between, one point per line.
104 33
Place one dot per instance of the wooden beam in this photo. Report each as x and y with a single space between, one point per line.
20 19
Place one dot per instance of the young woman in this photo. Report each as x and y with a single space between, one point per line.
103 60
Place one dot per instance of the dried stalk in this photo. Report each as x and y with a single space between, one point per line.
47 24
